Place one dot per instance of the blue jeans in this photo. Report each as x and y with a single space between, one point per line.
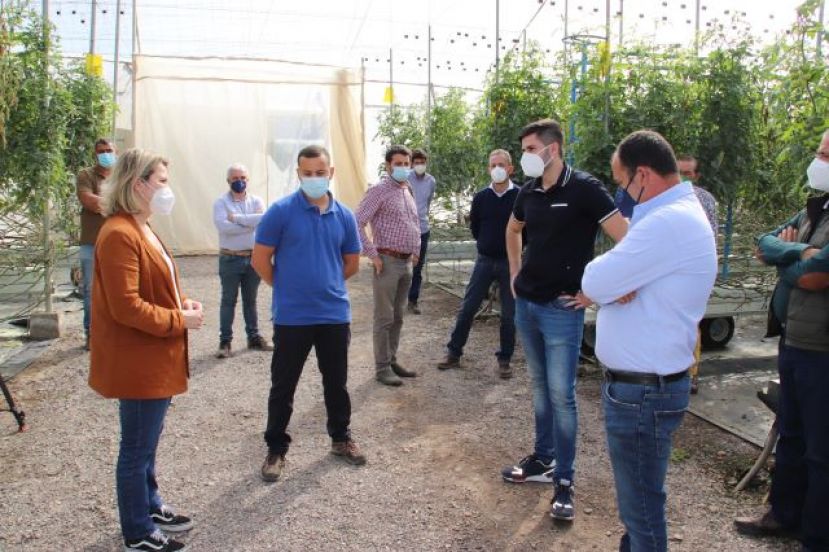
142 421
417 271
640 421
551 334
800 485
236 272
486 271
86 254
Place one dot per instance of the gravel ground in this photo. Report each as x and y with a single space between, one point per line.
435 447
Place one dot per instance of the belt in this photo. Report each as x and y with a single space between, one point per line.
241 253
643 378
392 253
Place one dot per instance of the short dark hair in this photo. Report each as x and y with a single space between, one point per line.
419 154
547 130
397 150
647 148
312 152
103 142
689 158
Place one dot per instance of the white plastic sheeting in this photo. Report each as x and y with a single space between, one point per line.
207 113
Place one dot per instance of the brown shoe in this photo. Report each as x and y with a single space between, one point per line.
504 369
451 361
402 372
272 468
348 451
763 526
258 343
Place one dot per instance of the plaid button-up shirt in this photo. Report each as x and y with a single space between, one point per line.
390 209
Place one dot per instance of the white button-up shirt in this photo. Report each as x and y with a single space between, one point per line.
238 234
669 258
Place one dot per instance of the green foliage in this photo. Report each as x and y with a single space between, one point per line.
58 113
520 95
403 126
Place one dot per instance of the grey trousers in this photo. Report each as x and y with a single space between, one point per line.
391 288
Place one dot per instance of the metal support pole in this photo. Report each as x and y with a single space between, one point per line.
696 31
820 30
566 32
362 103
429 88
497 37
391 80
134 29
621 23
92 21
47 223
115 65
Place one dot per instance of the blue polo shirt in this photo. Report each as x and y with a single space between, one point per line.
308 283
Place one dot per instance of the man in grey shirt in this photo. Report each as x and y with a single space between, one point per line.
423 187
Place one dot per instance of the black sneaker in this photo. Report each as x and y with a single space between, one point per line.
530 468
169 521
562 504
224 349
258 343
156 542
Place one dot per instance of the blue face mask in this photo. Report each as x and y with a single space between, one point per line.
401 174
238 186
314 187
106 159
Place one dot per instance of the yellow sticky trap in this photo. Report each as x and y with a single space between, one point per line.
604 58
388 95
94 65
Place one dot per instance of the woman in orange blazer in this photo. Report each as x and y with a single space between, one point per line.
139 348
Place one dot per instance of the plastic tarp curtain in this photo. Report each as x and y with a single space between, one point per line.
204 114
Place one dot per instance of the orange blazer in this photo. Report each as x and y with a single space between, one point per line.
138 342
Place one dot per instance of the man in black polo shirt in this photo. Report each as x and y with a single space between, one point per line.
560 209
488 217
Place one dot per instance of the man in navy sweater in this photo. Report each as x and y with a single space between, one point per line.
491 209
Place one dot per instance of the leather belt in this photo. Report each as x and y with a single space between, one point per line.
242 253
643 378
392 253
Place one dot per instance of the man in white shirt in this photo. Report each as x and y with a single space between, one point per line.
658 277
236 214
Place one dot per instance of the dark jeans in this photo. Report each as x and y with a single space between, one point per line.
640 421
142 421
236 272
293 343
800 484
86 254
417 276
486 271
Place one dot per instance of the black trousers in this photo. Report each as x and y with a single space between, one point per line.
292 345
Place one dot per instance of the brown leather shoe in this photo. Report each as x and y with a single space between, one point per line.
258 343
451 361
272 467
348 451
763 526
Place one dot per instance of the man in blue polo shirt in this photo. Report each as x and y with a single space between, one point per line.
307 246
561 210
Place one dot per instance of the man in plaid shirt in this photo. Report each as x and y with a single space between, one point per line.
389 207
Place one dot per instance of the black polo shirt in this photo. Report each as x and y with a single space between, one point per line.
560 228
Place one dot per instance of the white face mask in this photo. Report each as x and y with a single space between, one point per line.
818 173
420 169
162 201
533 165
498 174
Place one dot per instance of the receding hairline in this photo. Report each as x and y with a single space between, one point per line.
502 153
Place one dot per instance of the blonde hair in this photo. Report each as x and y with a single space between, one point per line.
502 152
134 164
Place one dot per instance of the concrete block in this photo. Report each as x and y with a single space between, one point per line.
44 325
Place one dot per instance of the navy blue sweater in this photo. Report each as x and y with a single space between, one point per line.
488 220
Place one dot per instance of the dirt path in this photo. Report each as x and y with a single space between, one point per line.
435 448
